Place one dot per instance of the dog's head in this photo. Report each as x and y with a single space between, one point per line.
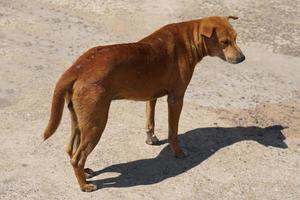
220 39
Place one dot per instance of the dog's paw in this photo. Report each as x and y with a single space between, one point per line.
181 154
152 141
89 188
89 173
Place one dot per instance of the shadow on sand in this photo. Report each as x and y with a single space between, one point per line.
200 143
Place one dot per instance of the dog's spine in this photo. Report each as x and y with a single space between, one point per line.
64 84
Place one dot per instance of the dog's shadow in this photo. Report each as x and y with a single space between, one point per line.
200 143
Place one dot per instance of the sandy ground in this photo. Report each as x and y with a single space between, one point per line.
240 123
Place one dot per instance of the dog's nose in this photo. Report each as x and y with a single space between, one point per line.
241 58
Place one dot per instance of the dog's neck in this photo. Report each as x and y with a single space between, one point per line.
181 39
191 42
196 41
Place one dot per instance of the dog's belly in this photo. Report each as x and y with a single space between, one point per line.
141 82
137 94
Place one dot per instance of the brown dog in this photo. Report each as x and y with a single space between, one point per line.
160 64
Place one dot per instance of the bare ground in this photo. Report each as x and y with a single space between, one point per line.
240 123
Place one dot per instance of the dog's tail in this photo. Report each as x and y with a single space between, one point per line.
64 84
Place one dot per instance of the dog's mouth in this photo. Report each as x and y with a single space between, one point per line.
237 59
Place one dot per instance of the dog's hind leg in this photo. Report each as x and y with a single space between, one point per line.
150 122
93 106
75 138
75 132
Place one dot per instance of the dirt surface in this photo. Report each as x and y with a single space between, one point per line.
240 123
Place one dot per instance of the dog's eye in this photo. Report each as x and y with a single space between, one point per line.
225 42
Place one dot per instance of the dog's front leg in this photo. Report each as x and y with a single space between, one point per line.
174 110
150 122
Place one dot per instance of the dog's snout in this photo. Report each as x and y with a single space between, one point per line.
241 58
237 59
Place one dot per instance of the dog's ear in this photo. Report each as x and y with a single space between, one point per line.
231 17
206 30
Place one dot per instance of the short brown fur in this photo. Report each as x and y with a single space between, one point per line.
160 64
